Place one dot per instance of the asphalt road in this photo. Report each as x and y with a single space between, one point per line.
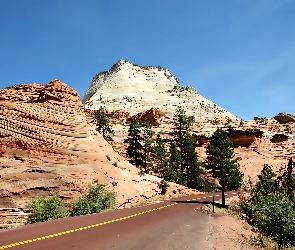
171 224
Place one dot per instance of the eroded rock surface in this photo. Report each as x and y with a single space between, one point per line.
153 116
284 118
136 89
49 146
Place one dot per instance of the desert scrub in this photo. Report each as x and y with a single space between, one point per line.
108 157
96 200
45 209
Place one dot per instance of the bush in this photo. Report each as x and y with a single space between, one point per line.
275 218
45 209
270 210
163 185
95 201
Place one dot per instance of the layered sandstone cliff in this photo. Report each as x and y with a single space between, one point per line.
49 146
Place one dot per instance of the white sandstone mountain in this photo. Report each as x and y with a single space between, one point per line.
136 89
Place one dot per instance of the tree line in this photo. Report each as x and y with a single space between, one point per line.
175 159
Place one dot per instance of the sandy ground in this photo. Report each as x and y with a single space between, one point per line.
227 232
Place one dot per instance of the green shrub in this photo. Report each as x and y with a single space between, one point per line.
270 209
96 200
45 209
275 218
163 185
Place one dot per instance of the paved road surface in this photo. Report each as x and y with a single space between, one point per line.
172 224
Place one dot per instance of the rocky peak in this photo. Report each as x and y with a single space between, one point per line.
137 88
126 74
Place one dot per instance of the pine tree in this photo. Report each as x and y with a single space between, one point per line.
103 126
185 163
288 181
265 185
182 124
192 169
160 158
134 139
147 141
222 164
174 173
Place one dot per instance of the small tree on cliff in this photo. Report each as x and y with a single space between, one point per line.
103 126
222 164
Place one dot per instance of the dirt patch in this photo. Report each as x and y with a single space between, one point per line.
227 232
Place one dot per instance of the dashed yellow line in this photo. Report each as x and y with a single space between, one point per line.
82 228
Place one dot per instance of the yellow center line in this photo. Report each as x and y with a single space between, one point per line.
82 228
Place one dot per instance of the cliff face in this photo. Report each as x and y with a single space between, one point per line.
285 118
136 89
40 119
49 146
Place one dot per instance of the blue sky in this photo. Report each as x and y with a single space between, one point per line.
238 53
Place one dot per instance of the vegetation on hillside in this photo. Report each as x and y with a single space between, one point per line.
270 209
103 126
176 160
45 209
96 200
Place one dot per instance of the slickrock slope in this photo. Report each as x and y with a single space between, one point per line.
47 146
136 89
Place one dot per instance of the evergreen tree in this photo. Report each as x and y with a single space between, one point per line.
103 126
184 160
134 139
160 158
222 164
147 141
174 173
265 185
182 124
192 169
288 181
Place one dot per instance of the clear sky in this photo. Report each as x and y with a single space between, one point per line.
238 53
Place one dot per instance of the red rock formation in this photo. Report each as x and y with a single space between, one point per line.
152 115
55 92
239 138
119 114
284 118
279 138
34 117
201 141
244 138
